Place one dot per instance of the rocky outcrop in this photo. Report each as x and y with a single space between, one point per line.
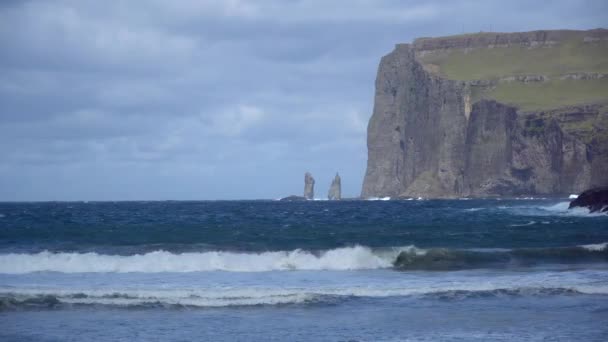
427 136
309 186
292 198
596 200
335 190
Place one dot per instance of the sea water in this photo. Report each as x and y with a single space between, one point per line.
421 270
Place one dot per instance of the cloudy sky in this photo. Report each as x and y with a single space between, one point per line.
206 99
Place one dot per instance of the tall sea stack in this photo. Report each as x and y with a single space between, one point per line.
491 114
309 186
335 190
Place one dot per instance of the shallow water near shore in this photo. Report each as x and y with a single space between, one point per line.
421 270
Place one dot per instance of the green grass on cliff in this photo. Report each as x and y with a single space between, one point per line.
572 55
546 95
491 64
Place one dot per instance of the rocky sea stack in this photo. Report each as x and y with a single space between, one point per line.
309 186
491 114
335 190
596 200
309 190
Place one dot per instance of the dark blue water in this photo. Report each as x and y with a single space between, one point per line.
134 227
454 270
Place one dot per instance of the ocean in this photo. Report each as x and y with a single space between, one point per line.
418 270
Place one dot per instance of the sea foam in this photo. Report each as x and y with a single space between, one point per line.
348 258
557 209
210 297
339 259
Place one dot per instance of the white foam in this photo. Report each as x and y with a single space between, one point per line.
242 296
598 247
563 209
558 209
378 198
348 258
573 196
523 224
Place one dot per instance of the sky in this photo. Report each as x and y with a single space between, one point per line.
206 99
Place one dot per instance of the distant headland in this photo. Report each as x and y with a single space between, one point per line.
490 114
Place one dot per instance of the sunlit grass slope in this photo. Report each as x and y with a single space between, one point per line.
573 55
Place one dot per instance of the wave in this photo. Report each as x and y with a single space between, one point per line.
510 292
339 259
270 296
558 209
529 223
456 259
378 199
596 247
348 258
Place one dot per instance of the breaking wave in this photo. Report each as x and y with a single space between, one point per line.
339 259
348 258
456 259
40 299
558 209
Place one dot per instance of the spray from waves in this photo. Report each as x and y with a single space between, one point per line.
348 258
558 209
378 199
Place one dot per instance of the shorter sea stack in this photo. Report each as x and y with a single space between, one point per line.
335 190
596 200
309 186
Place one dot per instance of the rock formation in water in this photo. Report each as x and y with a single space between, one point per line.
596 200
309 186
335 190
491 114
292 198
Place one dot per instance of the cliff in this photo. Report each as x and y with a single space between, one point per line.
491 114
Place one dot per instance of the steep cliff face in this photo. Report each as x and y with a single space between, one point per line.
411 103
433 136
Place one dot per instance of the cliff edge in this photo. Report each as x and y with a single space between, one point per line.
491 114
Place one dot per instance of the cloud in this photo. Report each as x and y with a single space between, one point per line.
235 121
210 99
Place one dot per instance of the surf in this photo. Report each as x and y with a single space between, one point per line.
208 298
347 258
441 259
339 259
